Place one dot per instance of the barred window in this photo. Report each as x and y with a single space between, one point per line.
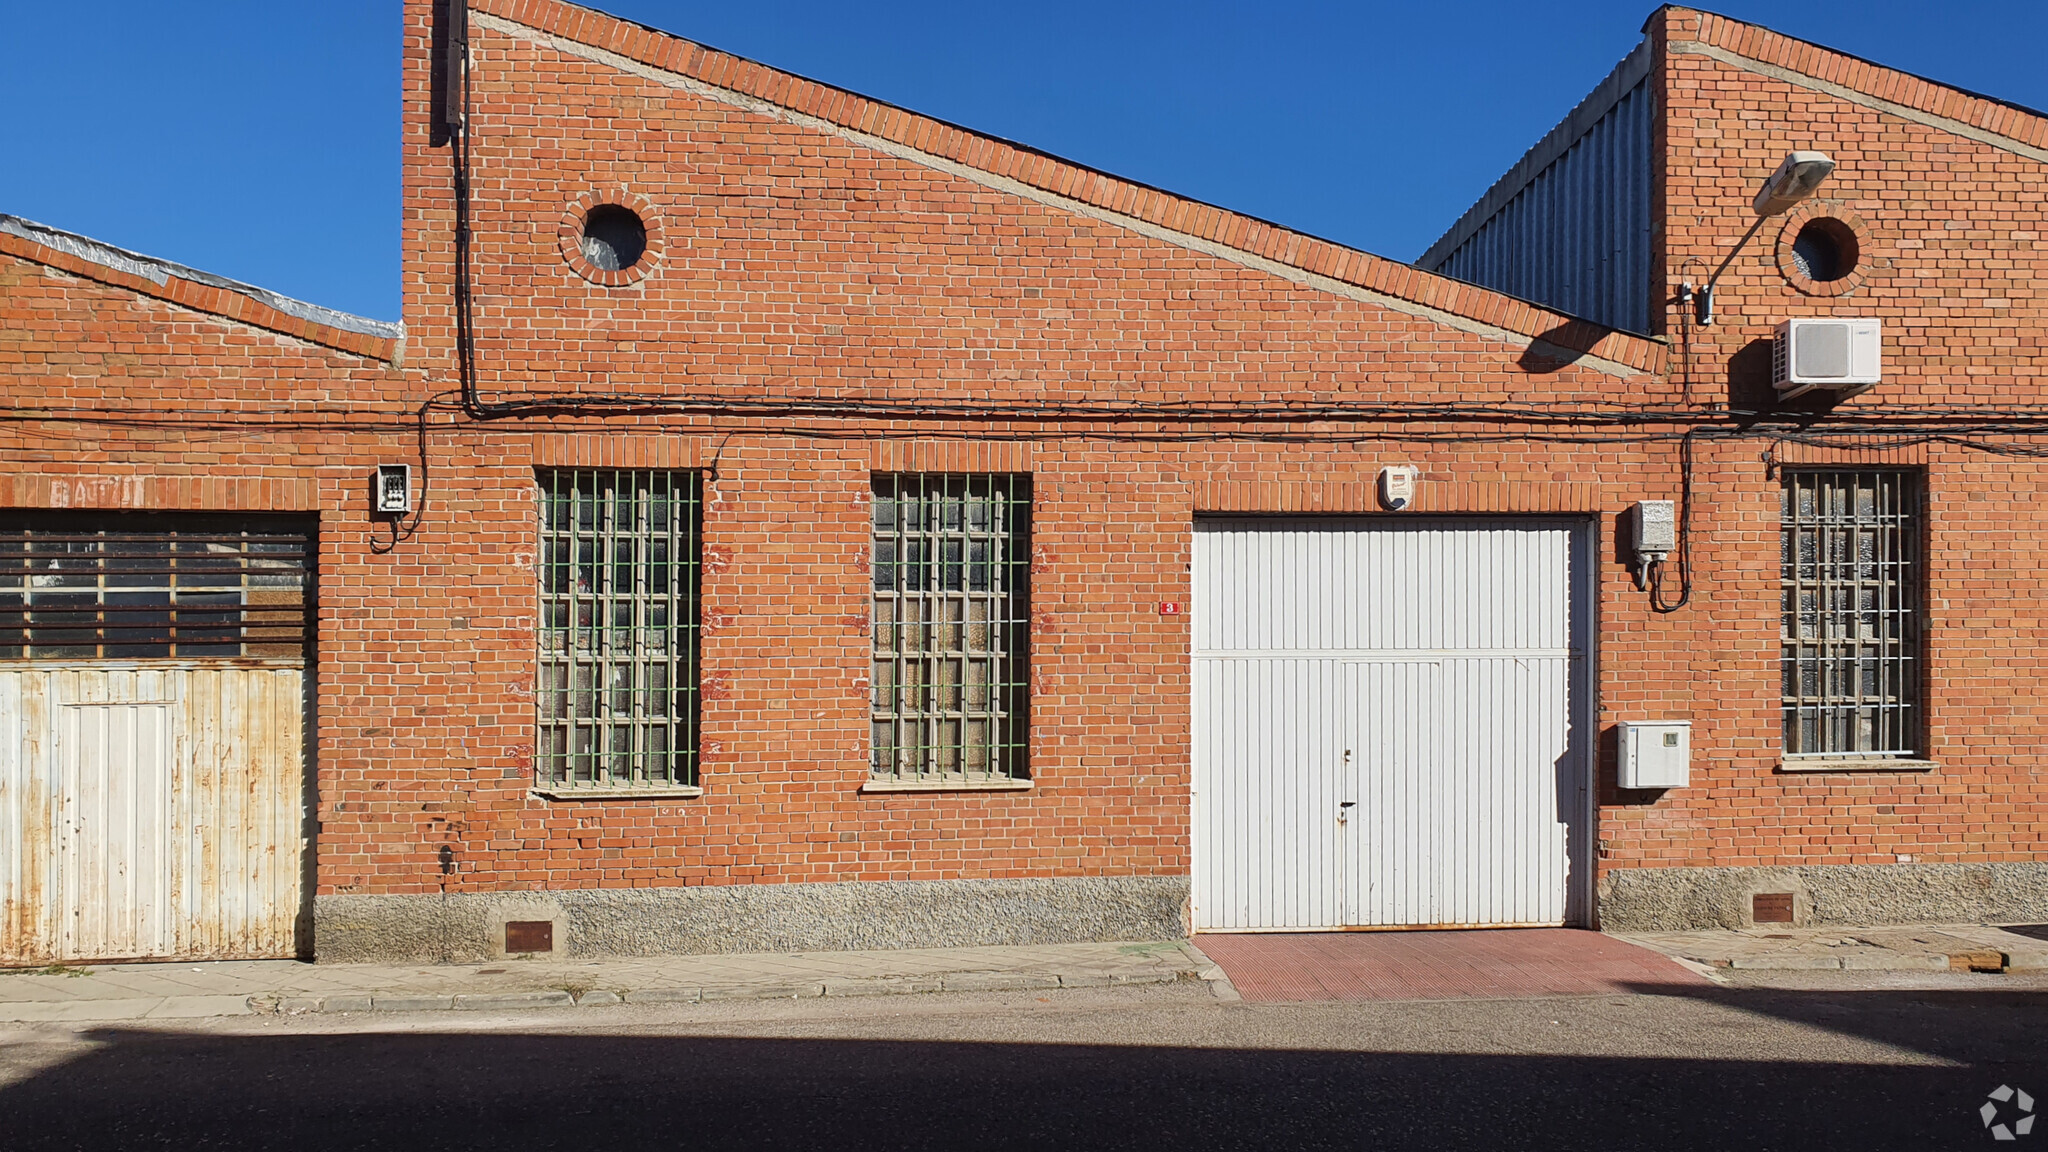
619 582
153 585
1851 626
951 627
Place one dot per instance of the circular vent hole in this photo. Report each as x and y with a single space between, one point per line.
1824 250
614 238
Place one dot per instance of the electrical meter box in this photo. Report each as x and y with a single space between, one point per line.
391 490
1656 753
1652 529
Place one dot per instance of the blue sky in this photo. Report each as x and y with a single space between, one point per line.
259 140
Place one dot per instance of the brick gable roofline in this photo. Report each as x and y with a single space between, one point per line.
2014 127
201 291
1107 195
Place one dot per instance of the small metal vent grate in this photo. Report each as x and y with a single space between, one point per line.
146 585
1771 908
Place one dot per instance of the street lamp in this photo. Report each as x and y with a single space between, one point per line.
1797 177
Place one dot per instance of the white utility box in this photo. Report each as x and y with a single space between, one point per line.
1656 753
1652 527
1845 356
1397 487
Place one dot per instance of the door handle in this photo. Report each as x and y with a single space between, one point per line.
1347 803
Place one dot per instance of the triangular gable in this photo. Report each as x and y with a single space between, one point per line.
604 38
1987 119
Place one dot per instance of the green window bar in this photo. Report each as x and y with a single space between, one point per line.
951 687
620 577
1850 635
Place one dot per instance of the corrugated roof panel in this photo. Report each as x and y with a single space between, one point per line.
1570 226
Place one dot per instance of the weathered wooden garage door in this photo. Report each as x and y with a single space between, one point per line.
152 735
1390 722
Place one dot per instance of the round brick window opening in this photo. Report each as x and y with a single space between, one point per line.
614 237
1825 250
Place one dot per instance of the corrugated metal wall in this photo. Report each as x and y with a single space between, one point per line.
153 810
1391 722
1570 226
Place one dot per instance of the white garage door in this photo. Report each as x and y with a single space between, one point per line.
1391 722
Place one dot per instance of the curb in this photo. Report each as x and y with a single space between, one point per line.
707 993
1207 969
1862 962
298 1004
124 1008
1868 958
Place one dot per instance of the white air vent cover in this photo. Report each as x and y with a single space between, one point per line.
1842 355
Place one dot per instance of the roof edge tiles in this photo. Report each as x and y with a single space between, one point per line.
201 291
1106 196
1989 119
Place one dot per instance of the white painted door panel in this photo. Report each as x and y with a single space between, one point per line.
153 810
1281 825
1429 672
113 829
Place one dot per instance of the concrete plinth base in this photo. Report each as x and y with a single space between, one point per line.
1683 899
469 927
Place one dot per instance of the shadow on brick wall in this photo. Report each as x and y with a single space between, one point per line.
1753 399
1562 346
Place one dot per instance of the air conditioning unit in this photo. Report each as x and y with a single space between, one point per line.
1844 356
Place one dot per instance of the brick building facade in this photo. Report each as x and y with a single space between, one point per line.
839 302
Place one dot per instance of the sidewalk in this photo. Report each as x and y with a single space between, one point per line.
1456 964
1928 948
163 991
92 993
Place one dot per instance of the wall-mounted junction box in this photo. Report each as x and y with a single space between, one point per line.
391 490
1656 753
1651 529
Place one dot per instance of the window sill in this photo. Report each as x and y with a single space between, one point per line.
1857 764
684 792
947 786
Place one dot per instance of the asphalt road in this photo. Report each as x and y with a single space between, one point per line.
1169 1067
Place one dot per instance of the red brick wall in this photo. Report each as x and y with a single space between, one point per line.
1951 263
799 262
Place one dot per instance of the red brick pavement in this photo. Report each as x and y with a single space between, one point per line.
1438 965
